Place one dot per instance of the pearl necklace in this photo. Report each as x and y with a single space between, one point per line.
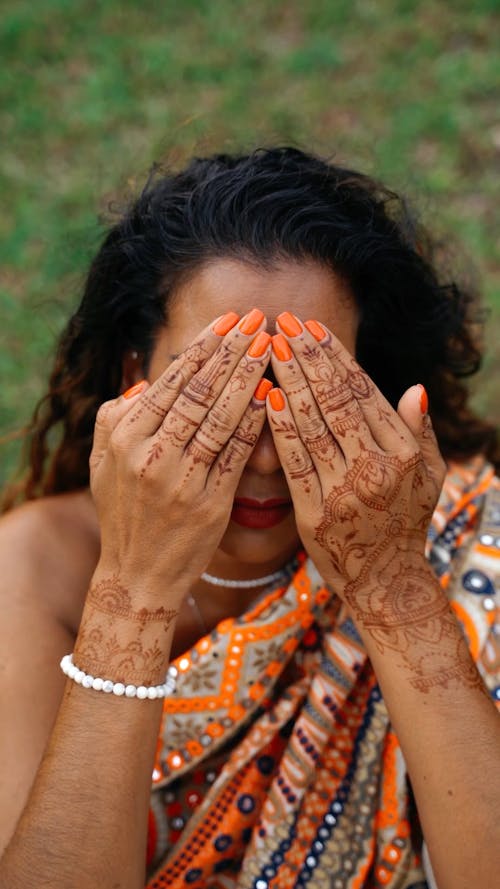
276 579
250 584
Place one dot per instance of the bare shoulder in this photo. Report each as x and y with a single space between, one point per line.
48 551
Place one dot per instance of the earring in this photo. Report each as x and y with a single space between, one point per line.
134 354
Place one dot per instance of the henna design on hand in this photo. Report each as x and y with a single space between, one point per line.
374 480
247 367
334 394
389 586
110 597
299 466
368 538
119 641
397 600
343 387
239 445
199 453
106 656
201 387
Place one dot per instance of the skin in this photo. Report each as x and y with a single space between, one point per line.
364 480
246 553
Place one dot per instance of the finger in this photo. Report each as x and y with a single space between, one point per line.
413 410
330 386
224 416
314 433
150 412
205 387
378 418
237 451
294 457
109 416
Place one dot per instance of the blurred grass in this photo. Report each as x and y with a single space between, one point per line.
91 93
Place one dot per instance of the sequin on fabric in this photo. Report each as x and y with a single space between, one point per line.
276 764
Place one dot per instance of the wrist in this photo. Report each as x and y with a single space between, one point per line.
123 638
408 600
415 636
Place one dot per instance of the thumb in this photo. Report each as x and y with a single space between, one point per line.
108 416
413 408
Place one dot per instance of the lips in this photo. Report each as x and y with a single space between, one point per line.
260 513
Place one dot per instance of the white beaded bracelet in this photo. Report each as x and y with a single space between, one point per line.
143 692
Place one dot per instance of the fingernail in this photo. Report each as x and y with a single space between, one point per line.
289 324
259 345
424 399
225 324
262 389
276 399
318 332
251 322
134 390
281 348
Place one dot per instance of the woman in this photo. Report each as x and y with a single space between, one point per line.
260 509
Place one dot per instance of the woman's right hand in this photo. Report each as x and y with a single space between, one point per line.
166 462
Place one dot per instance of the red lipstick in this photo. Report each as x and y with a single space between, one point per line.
260 513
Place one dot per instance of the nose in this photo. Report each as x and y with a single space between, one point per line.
264 459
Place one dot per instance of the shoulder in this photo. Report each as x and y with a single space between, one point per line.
47 530
48 551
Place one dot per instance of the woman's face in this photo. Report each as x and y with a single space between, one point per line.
304 288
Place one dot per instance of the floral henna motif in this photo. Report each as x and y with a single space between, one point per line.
334 397
374 480
360 384
239 445
201 388
300 466
246 369
120 642
377 478
110 597
130 662
373 532
315 434
399 602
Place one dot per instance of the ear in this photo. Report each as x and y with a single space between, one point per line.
132 369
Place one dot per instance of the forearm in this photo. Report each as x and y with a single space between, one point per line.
450 737
87 811
86 818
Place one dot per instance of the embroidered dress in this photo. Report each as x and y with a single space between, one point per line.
276 762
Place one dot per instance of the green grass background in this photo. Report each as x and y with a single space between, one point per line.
91 93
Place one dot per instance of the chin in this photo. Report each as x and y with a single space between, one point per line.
256 547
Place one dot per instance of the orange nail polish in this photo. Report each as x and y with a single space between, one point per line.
424 399
134 390
252 321
259 345
262 389
281 348
318 332
276 399
225 324
289 324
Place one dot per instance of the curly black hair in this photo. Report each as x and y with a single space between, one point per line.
262 207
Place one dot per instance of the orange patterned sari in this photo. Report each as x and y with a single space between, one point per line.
276 763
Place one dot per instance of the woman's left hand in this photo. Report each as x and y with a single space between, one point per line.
364 478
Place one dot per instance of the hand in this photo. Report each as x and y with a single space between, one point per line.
166 462
364 478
